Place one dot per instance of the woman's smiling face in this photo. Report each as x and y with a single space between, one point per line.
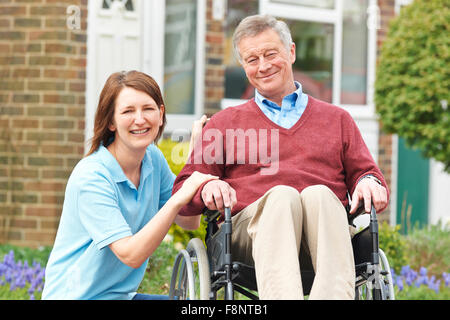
137 119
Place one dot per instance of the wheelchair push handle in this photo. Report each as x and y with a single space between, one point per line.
227 214
227 225
374 232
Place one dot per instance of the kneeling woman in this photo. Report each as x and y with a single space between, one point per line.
117 207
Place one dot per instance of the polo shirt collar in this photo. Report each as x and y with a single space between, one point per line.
116 170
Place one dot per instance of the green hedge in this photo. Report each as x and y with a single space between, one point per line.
412 87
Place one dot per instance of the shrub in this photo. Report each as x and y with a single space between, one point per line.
176 158
413 78
429 246
393 245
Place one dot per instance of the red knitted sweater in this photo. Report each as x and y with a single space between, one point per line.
241 146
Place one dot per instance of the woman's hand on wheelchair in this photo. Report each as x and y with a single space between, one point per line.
370 192
191 185
218 194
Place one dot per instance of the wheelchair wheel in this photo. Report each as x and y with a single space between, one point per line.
190 275
365 286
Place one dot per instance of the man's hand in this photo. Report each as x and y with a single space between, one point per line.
369 191
190 187
218 194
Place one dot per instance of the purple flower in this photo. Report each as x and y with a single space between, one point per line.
446 277
423 271
405 270
399 283
20 274
434 285
421 281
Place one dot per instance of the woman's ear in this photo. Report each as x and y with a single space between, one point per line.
112 127
161 115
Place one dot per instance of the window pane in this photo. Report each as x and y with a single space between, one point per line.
179 56
313 66
236 83
354 52
324 4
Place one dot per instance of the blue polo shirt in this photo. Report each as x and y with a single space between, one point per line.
290 111
102 205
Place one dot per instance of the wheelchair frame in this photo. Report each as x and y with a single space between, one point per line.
198 274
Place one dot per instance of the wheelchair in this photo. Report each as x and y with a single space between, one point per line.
199 272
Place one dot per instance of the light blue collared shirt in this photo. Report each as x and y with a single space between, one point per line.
102 205
292 107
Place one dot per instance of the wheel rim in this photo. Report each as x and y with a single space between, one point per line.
190 275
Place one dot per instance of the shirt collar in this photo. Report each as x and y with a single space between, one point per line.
116 170
293 97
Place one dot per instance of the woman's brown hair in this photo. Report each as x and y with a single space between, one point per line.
105 110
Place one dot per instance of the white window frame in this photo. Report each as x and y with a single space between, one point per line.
154 59
331 16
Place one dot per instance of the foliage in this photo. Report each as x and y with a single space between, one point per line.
408 283
19 279
176 154
429 246
412 285
393 245
159 270
30 255
413 78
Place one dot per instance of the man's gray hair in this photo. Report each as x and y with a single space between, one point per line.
253 25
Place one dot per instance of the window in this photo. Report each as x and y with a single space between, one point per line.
354 53
313 66
236 83
180 56
174 48
334 47
127 4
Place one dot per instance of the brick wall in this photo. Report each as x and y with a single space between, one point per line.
42 103
214 68
387 12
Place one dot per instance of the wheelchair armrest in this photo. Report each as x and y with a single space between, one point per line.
353 216
211 215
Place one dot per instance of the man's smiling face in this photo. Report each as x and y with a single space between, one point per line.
268 64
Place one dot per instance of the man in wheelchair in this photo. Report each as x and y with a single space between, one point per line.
294 201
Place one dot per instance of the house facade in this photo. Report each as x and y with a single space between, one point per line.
55 56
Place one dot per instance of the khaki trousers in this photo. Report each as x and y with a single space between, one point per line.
270 233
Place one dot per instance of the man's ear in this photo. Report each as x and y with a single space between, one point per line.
292 53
